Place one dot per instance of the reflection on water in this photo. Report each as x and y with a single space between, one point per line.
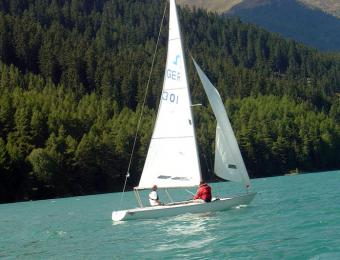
189 224
241 206
115 223
189 231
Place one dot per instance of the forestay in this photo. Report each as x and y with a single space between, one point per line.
172 159
229 163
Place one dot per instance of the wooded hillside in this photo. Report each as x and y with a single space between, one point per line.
73 74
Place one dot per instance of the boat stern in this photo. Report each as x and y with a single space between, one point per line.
118 215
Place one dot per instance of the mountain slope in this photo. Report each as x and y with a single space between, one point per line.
220 6
293 20
329 6
312 22
73 75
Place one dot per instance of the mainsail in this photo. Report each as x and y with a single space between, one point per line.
172 159
229 163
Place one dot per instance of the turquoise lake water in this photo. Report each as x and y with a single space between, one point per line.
293 217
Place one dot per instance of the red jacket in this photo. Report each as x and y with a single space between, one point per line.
204 193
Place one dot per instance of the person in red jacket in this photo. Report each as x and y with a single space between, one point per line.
203 192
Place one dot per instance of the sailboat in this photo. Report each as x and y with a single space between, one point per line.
172 160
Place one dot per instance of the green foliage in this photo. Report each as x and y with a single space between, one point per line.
42 164
73 76
284 135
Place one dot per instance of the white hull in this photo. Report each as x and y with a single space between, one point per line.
184 207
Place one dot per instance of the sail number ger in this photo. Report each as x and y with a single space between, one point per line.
174 75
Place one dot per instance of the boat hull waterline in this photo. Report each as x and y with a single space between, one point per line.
185 207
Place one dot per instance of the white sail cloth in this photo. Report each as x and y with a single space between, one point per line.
172 159
229 163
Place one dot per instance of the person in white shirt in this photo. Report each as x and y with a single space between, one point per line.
153 197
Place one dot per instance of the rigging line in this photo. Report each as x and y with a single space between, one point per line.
143 105
188 191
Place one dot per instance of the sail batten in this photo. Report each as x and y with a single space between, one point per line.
229 163
173 137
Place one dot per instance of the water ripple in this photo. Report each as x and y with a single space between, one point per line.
295 217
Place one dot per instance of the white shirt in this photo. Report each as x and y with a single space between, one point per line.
153 198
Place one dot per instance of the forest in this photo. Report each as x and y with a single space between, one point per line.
73 75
